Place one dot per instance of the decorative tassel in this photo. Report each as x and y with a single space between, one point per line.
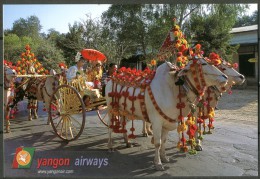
181 125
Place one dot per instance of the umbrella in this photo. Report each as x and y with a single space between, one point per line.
93 55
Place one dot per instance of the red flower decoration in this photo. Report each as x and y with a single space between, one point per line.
62 65
235 65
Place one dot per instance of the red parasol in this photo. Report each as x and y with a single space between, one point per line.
93 55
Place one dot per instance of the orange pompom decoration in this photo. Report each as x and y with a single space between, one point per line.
198 46
179 59
176 33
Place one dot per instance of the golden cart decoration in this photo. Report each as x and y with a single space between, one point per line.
67 111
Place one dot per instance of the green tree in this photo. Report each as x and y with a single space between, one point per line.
142 27
12 46
212 30
48 54
124 26
247 20
30 27
72 42
96 37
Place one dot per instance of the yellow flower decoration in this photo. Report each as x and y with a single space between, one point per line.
153 62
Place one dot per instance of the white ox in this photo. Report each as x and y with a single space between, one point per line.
234 78
9 76
165 93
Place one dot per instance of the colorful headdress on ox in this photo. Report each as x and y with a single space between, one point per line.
216 60
231 65
175 44
9 64
27 61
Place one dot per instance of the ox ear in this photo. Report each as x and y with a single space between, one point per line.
182 72
172 73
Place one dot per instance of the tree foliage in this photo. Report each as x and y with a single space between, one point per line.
126 30
27 31
30 27
213 31
247 20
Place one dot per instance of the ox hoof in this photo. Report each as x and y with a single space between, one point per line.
48 123
150 132
159 167
111 150
7 130
36 117
145 135
165 159
129 145
198 148
30 119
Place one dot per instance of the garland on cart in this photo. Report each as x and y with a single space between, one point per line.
126 78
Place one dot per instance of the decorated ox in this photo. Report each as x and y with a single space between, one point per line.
9 76
163 101
213 94
41 89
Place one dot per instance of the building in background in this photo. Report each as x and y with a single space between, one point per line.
247 56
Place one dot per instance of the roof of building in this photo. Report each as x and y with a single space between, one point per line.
244 35
244 29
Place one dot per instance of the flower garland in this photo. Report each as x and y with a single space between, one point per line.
182 127
200 85
192 128
132 77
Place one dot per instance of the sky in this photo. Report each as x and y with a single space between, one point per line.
56 16
52 16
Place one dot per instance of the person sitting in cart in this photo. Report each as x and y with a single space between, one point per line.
95 74
77 71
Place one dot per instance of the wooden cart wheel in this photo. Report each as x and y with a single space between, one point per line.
67 113
102 113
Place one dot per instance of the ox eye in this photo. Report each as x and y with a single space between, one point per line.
204 64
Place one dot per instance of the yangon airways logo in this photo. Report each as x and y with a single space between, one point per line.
23 157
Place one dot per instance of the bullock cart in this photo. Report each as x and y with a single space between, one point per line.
67 110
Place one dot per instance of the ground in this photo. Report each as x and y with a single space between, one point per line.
232 149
